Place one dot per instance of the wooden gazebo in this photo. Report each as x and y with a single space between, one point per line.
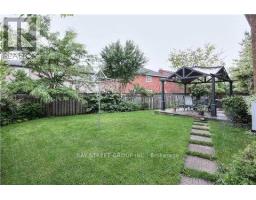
198 75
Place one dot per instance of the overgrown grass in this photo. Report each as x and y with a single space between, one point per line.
140 148
228 140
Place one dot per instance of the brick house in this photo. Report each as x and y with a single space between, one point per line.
150 80
145 78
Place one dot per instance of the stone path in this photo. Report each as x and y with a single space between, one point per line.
185 180
198 153
200 132
201 149
200 138
200 127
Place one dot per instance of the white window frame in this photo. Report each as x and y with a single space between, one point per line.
148 78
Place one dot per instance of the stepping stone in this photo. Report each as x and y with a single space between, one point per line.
200 121
200 127
200 138
201 164
200 124
185 180
200 132
201 149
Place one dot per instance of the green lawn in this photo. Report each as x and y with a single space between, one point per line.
68 150
228 140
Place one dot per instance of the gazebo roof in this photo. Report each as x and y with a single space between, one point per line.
187 75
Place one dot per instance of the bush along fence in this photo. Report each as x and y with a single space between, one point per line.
27 107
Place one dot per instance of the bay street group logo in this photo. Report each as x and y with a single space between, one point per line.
19 34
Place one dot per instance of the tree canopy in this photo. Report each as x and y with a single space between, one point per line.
122 61
55 62
206 56
242 71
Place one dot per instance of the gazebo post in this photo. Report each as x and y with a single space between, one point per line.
230 88
185 89
162 96
213 100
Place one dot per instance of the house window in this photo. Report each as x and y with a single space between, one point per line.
148 78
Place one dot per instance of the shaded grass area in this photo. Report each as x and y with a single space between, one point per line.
228 140
127 148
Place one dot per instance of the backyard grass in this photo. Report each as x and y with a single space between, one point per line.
140 148
228 141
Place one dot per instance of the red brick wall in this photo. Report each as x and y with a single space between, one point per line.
154 85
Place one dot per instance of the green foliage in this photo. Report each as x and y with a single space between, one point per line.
205 56
199 90
21 84
109 102
122 62
17 111
55 62
221 88
249 101
242 171
242 71
8 109
137 89
236 108
29 110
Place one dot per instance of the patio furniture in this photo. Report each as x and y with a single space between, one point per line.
198 75
188 103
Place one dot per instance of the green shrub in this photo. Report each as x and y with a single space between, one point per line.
199 91
243 168
236 109
109 102
8 112
12 111
29 110
249 101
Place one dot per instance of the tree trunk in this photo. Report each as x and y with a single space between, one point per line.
252 21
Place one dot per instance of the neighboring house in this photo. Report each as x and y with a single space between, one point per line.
150 80
145 78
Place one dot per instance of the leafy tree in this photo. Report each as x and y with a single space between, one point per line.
55 62
199 91
205 56
21 84
137 89
242 71
122 61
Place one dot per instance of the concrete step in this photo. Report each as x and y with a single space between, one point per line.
201 149
201 164
185 180
200 124
200 132
200 138
200 127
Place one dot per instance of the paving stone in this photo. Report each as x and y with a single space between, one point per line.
185 180
200 138
200 127
201 164
201 149
200 123
201 132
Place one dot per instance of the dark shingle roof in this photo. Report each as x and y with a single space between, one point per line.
149 72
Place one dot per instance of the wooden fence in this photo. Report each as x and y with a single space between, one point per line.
74 107
64 107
